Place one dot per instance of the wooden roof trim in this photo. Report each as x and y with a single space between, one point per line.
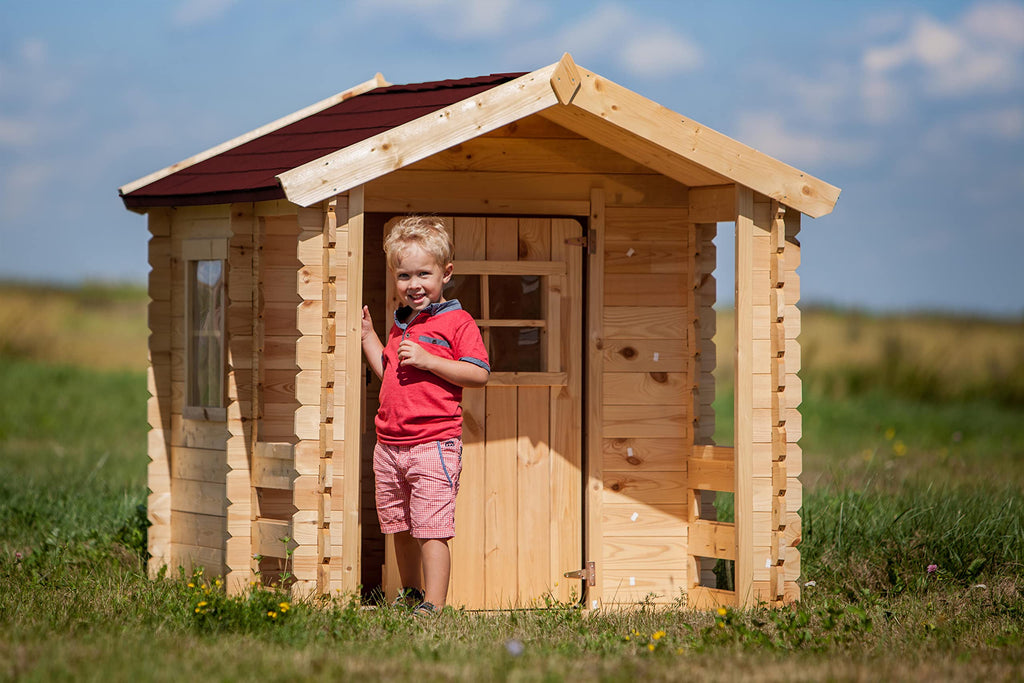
377 81
714 151
374 157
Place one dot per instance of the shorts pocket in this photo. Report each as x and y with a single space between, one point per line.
450 456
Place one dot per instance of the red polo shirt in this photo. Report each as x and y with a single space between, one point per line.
417 406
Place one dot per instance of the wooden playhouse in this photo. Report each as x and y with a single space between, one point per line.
583 217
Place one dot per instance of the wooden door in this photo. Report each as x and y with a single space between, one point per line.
519 510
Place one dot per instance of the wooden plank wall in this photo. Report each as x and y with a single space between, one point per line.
198 449
286 318
647 410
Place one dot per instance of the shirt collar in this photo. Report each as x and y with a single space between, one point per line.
435 308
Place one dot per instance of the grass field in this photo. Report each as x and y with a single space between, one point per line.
897 478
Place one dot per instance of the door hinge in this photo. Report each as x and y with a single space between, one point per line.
582 241
588 574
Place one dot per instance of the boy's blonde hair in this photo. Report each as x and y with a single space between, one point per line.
427 232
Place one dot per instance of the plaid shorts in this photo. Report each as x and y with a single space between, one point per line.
416 487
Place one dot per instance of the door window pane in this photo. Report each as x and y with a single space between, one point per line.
465 288
515 297
515 349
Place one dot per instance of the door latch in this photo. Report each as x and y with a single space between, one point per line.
585 240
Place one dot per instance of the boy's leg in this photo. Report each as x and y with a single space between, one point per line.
434 478
437 568
407 557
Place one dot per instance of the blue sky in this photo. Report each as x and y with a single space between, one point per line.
914 109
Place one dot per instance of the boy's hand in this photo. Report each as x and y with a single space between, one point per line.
411 353
367 324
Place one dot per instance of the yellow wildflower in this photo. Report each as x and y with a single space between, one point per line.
890 434
202 604
899 448
191 585
722 611
284 606
272 615
658 635
650 646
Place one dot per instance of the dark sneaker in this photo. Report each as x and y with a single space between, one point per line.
425 610
408 598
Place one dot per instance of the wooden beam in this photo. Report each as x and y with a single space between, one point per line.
381 154
565 81
661 137
743 407
712 203
366 86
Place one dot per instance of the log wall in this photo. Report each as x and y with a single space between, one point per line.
189 512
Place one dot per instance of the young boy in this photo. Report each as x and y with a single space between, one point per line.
433 350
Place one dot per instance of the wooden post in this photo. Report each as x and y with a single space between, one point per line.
353 363
744 407
336 368
595 394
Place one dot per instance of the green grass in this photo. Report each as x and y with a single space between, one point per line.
892 484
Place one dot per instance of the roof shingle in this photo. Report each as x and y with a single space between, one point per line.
247 172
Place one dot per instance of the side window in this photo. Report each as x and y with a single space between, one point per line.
205 329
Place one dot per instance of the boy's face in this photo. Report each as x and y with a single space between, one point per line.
419 278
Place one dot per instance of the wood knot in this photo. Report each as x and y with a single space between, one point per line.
616 486
633 460
524 249
629 353
659 377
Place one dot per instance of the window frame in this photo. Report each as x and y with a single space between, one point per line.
552 276
193 252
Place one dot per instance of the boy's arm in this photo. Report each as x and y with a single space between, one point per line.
458 372
372 348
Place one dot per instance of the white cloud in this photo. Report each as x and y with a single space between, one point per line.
767 132
997 21
197 12
979 52
17 132
642 46
457 19
1003 125
661 53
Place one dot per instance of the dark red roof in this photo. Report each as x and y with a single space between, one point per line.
247 173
